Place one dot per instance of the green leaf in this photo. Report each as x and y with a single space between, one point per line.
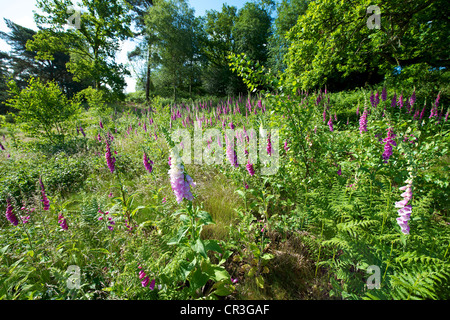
205 217
137 209
198 279
215 272
213 245
241 193
223 288
267 256
252 272
99 250
260 281
199 247
146 224
179 236
186 267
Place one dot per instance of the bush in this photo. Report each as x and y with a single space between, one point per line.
95 99
61 174
43 109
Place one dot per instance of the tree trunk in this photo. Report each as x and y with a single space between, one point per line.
190 80
147 85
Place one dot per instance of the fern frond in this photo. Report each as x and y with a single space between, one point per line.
354 228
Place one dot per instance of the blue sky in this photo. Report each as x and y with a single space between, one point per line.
21 12
201 6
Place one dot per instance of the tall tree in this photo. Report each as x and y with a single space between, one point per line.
252 30
4 74
92 44
288 12
139 10
173 26
218 44
23 64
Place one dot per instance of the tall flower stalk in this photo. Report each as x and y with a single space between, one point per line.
62 222
181 183
405 207
145 280
363 122
10 214
330 124
269 145
110 160
384 94
231 154
250 169
389 142
148 164
44 200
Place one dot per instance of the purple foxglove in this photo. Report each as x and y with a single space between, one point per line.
147 164
25 219
269 146
152 284
423 111
145 282
400 101
250 169
231 154
412 99
384 94
62 221
286 147
372 99
389 142
394 100
181 183
82 131
363 122
405 209
10 214
330 124
110 160
44 200
436 103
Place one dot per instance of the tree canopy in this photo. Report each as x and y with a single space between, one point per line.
92 45
331 43
311 44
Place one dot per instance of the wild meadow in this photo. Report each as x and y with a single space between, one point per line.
295 160
115 201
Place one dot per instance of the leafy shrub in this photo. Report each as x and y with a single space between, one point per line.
43 109
61 175
95 99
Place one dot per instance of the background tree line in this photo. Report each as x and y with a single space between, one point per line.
310 43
